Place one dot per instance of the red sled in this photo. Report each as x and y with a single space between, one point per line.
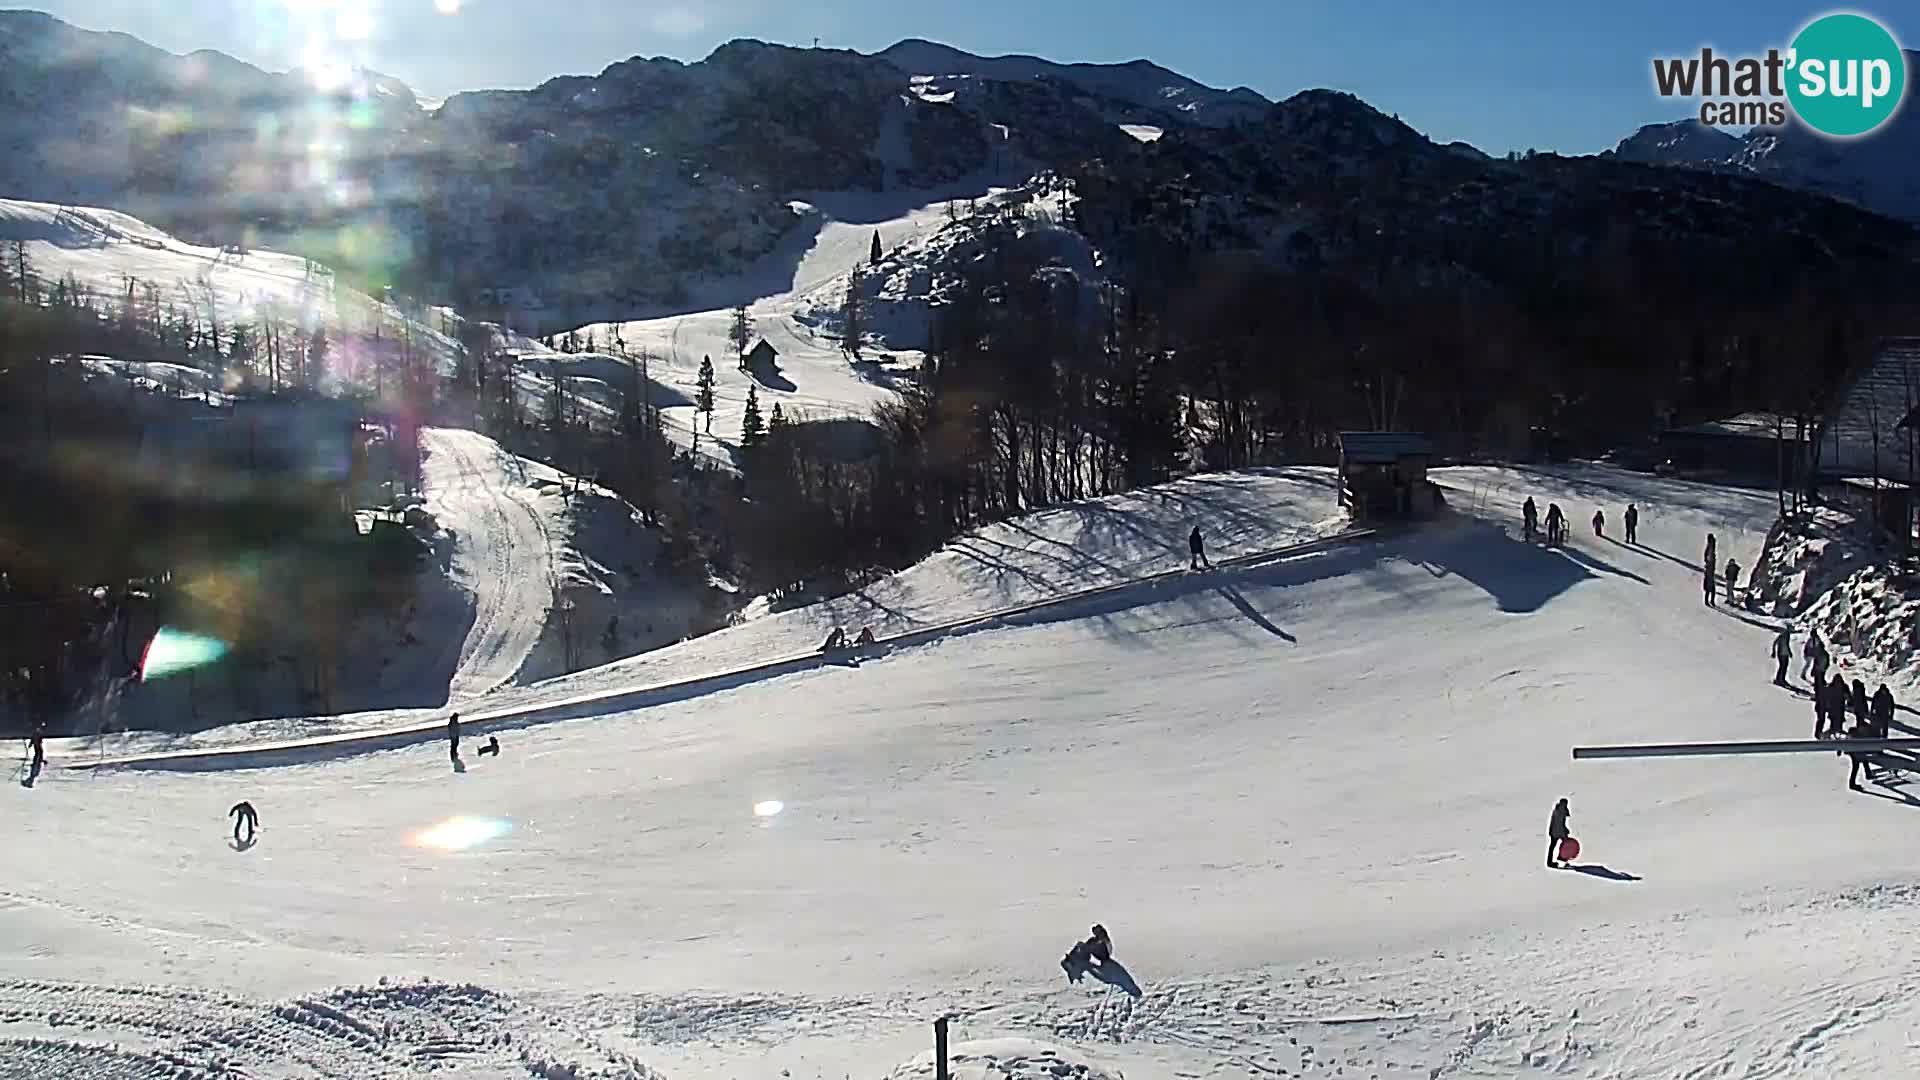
1569 849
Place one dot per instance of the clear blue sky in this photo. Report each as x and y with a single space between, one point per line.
1500 74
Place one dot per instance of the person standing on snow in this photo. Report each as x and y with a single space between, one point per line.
1820 699
1857 703
1556 832
1836 692
1633 524
1707 582
453 737
1197 551
1529 519
1807 652
1782 655
1556 524
1733 577
1599 523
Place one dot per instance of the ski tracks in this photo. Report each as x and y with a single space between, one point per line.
50 1029
503 555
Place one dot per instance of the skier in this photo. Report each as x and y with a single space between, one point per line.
1600 523
244 814
1197 551
865 638
1529 519
1633 524
492 748
1556 832
835 640
453 737
1782 655
1556 524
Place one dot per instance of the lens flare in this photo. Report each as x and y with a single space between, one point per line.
174 651
768 808
461 833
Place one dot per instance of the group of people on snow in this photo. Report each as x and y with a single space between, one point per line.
838 639
1713 573
1556 522
1834 699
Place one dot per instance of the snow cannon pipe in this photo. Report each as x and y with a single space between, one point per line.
1786 746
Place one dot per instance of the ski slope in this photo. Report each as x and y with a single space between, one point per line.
104 249
1307 798
815 378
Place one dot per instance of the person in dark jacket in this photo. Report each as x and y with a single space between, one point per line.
1733 577
1197 551
1836 705
1099 945
1820 699
1708 581
1529 518
492 749
1711 557
1782 655
1809 655
1633 524
1857 704
1883 707
1860 761
453 737
1556 524
1599 523
1556 832
244 814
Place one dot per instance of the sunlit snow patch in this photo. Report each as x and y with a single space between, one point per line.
1143 132
174 651
461 833
768 808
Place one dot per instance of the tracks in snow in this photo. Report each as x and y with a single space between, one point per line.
50 1029
503 555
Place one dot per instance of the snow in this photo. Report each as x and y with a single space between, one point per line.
1307 797
503 556
102 249
1143 132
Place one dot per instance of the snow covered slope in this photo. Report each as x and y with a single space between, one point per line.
104 250
1308 799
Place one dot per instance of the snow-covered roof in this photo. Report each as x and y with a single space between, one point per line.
1748 425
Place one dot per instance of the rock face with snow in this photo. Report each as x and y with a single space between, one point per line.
1877 171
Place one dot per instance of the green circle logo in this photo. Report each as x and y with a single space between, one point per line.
1848 75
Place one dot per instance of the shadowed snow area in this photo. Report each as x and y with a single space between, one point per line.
1308 798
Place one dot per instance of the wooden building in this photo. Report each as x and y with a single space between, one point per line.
1383 475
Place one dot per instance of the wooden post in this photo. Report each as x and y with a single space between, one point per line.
940 1049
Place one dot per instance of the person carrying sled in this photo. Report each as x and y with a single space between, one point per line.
243 813
1556 832
1782 655
1529 519
1197 551
1600 523
1633 524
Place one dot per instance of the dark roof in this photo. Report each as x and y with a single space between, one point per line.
1380 447
765 345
